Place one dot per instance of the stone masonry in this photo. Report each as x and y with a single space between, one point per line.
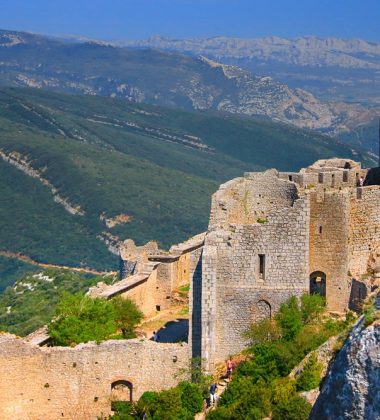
51 383
273 235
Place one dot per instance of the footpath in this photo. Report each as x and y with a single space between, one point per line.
222 386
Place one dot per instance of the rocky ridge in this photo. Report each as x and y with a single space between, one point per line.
303 51
200 83
351 389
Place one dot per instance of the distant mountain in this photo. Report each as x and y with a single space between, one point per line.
303 51
330 68
169 79
80 173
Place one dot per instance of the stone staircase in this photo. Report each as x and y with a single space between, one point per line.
222 386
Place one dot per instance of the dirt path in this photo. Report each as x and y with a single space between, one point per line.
28 260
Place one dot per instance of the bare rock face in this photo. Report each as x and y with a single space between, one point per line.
352 387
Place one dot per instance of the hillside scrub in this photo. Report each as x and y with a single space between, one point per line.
310 375
79 319
261 386
111 158
182 402
30 303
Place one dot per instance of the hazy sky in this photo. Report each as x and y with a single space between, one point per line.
117 19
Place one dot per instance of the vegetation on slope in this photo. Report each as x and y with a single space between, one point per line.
261 386
156 166
31 302
12 269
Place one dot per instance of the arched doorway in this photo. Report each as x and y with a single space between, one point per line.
121 390
318 283
262 310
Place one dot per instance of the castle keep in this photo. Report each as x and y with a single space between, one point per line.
271 235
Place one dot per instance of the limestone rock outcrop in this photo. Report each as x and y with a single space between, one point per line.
351 389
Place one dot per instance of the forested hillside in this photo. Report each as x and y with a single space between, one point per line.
78 173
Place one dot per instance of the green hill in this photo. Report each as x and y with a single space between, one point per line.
153 167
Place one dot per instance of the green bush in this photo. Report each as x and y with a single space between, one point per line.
312 307
169 405
79 319
310 376
289 318
286 403
127 316
192 397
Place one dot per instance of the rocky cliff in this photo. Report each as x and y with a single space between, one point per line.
351 389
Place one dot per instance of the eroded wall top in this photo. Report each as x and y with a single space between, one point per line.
251 199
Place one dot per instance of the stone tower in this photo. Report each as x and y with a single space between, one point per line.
273 235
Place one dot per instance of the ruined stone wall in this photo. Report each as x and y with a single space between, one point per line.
172 275
364 228
329 220
144 295
75 383
245 200
233 294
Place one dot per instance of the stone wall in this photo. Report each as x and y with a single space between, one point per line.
156 276
75 383
364 228
245 200
329 230
234 292
275 235
144 295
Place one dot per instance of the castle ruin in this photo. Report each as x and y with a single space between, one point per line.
271 235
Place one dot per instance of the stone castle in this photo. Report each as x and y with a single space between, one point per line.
271 235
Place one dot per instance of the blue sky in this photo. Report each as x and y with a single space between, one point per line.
118 19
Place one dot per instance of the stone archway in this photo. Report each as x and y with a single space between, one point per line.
318 283
121 390
262 310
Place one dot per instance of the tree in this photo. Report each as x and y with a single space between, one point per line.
310 376
289 318
79 319
311 307
127 316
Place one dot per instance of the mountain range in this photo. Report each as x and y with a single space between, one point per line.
175 80
347 70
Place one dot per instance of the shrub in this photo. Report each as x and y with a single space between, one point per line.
289 318
311 307
286 403
127 316
169 405
192 398
79 319
265 331
310 377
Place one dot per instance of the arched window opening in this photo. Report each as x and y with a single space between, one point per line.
318 283
121 390
262 310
